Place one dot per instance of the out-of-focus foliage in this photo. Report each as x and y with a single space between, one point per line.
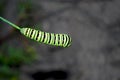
2 6
11 58
7 73
26 13
2 3
12 55
24 8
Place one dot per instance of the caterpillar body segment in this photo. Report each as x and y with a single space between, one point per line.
62 40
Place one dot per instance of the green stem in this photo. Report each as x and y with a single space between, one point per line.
10 23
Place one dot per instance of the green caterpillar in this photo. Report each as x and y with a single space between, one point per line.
62 40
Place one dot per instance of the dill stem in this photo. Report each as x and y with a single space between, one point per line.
10 23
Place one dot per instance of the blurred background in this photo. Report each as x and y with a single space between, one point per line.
94 26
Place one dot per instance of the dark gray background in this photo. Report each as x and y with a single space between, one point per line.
95 30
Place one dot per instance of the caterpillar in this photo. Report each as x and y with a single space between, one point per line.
62 40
